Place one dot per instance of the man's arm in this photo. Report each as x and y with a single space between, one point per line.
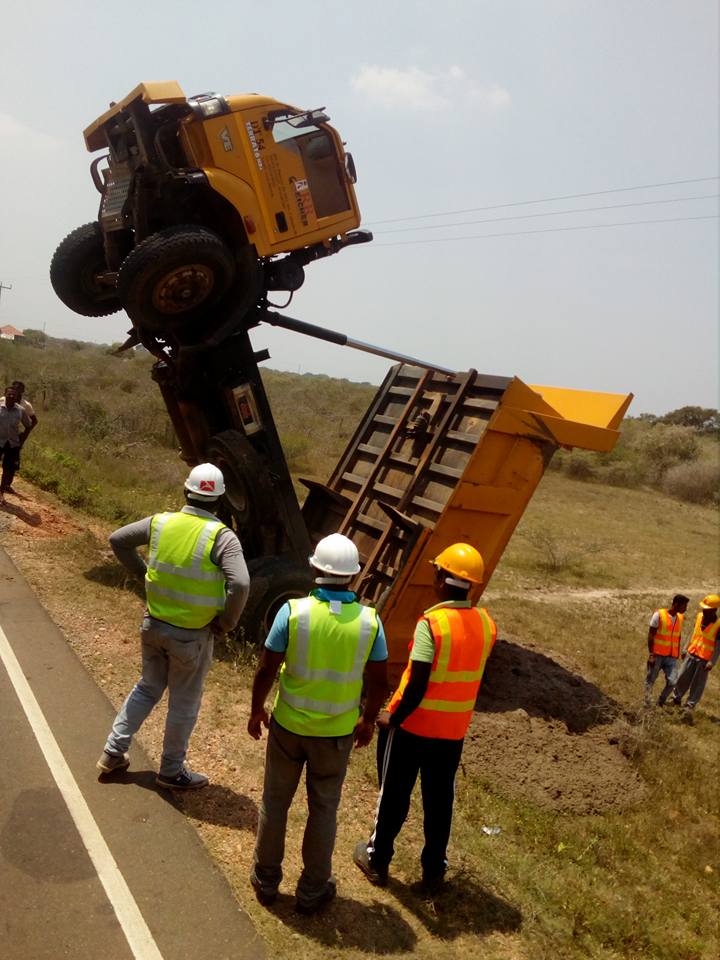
262 684
126 540
29 421
412 695
228 555
375 693
651 640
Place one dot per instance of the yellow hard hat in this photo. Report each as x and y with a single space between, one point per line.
462 561
710 602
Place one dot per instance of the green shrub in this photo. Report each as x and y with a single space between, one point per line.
664 446
580 466
696 482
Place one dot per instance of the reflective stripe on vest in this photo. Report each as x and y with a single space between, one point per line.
321 679
463 639
704 639
666 642
182 584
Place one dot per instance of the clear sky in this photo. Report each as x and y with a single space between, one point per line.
451 106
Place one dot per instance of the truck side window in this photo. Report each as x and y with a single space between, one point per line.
324 173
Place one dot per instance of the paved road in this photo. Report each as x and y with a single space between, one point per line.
160 896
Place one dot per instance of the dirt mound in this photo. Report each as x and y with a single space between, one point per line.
544 733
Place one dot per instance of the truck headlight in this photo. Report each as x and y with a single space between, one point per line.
207 105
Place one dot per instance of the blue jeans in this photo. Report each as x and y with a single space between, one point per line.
175 659
693 676
669 666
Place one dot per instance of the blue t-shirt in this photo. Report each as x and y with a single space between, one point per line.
279 636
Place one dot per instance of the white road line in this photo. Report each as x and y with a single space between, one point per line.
137 934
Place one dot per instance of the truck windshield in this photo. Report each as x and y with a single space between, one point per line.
323 169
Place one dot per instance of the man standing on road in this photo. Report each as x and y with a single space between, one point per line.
12 417
425 724
663 641
196 585
702 654
328 642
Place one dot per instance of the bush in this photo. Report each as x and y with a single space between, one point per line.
579 466
662 447
696 482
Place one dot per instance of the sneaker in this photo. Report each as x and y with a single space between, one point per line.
265 895
361 858
185 780
308 907
110 762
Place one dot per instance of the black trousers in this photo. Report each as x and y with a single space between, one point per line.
10 463
401 756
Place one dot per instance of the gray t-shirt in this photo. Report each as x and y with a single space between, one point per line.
227 553
10 420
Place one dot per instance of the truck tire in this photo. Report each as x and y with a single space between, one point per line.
175 279
248 489
74 269
273 582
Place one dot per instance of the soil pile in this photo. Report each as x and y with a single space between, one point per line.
543 732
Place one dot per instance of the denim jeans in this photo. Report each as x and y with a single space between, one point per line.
693 677
175 659
325 760
669 666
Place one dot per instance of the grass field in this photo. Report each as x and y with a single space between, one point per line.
572 598
609 820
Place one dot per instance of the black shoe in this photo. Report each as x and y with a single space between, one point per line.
432 884
361 858
185 780
308 907
265 896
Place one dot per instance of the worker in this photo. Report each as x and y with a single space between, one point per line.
423 729
196 585
19 388
12 417
702 654
664 636
326 642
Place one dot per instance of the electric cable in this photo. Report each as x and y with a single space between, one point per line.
523 203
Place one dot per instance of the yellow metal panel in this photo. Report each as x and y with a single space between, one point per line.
554 429
155 91
587 406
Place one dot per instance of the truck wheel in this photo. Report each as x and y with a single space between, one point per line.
175 278
248 489
272 583
74 270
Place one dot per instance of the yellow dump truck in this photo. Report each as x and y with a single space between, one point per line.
207 203
439 459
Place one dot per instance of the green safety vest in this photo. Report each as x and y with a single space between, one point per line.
182 584
321 678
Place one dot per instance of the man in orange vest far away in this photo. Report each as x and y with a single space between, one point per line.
423 729
702 653
663 641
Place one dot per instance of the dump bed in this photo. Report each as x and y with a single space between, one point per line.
440 459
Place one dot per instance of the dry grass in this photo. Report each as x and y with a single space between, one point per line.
637 882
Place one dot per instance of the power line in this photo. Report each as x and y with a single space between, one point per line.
524 203
552 213
523 233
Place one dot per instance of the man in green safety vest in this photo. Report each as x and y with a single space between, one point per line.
196 585
327 644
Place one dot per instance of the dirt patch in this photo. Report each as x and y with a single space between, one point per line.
543 732
23 516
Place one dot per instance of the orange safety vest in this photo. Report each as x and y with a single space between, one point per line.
463 639
666 642
704 639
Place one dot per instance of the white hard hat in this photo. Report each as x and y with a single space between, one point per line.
205 481
336 555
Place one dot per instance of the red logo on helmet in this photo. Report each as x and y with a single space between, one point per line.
208 485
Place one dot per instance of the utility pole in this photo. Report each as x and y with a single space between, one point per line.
4 287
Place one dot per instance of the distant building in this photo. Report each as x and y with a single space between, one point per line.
9 332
